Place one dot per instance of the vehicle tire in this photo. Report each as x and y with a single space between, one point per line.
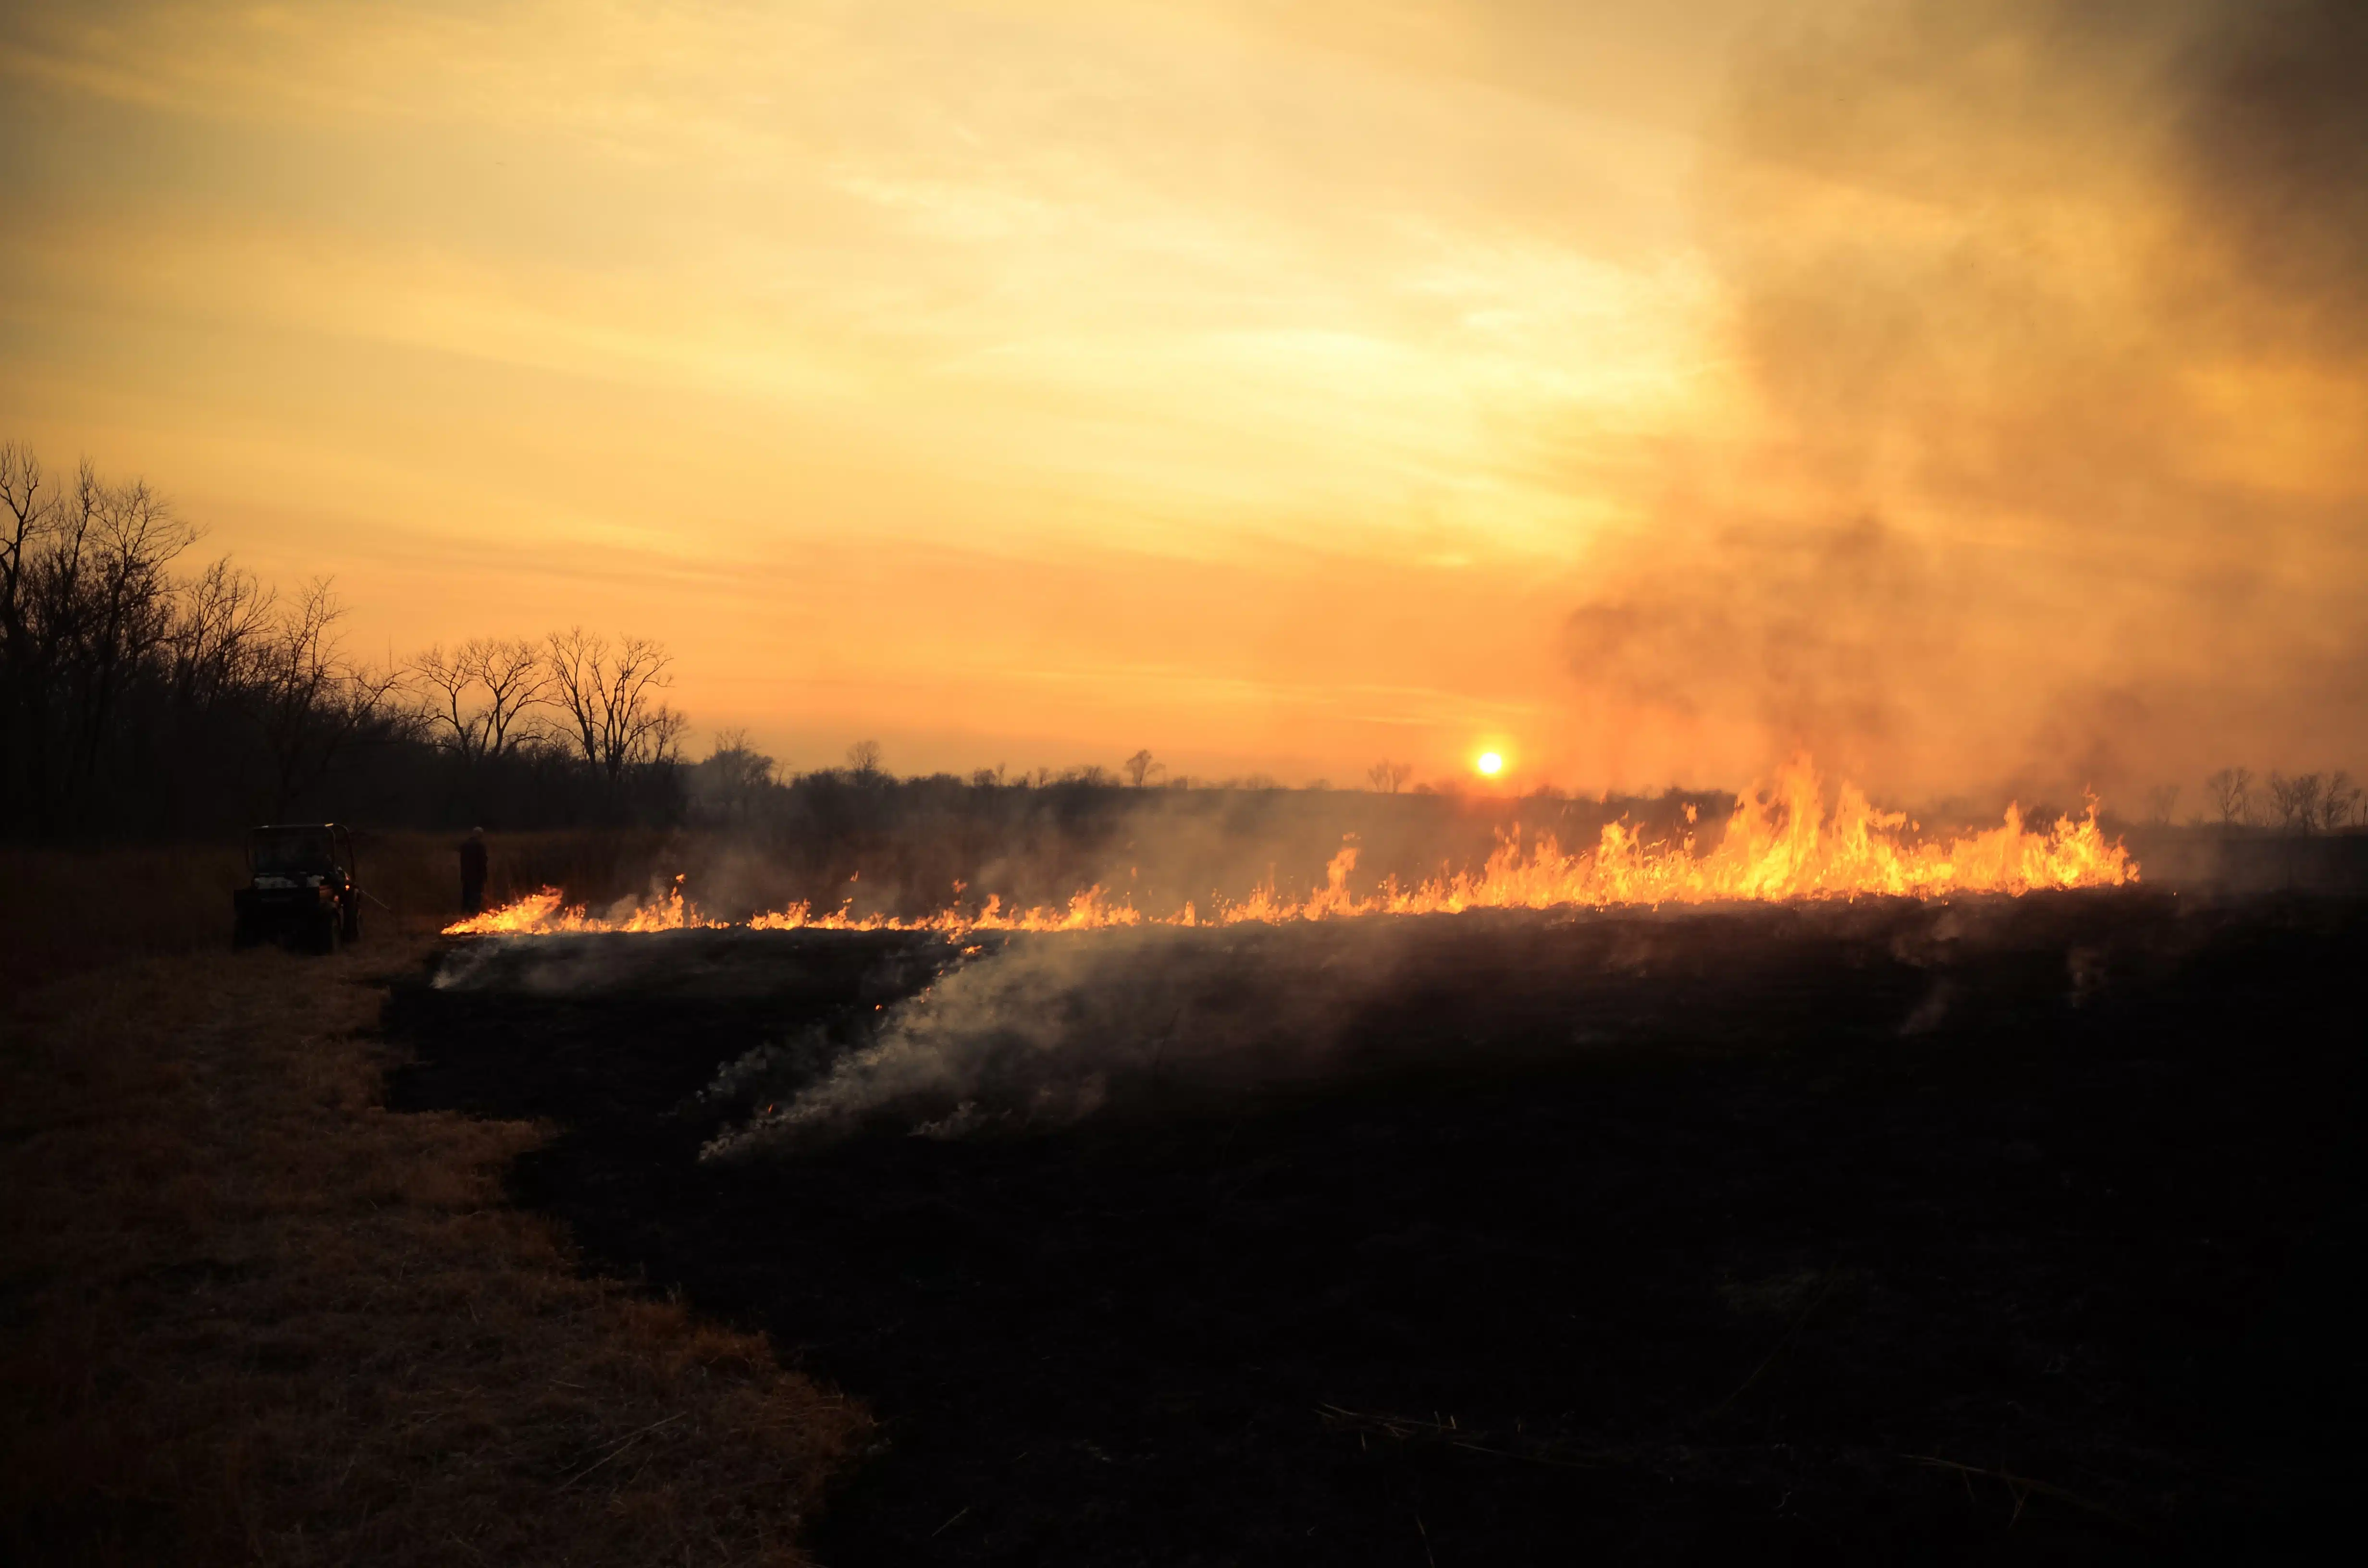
324 934
351 930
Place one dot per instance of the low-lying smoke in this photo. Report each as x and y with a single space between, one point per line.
1032 1033
1042 1031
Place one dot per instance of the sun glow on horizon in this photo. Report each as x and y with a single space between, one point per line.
1289 391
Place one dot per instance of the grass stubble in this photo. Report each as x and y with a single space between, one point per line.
248 1315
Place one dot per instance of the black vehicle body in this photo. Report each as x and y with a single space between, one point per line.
301 888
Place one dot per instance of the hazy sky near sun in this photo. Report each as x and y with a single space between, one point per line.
1278 386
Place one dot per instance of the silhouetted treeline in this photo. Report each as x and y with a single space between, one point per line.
143 699
135 700
2303 803
138 700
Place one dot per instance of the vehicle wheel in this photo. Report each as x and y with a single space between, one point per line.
324 934
352 930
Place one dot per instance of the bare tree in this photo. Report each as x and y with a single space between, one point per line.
312 706
1387 778
2339 803
119 683
730 784
515 677
2231 790
216 636
986 777
480 692
89 609
1141 769
31 521
31 516
611 697
136 695
863 761
2160 801
449 687
2296 800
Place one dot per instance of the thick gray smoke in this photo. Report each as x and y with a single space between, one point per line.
2052 320
1050 1030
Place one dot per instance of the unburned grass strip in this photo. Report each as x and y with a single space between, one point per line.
252 1316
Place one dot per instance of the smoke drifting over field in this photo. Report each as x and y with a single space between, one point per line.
1046 1031
2054 326
1030 1033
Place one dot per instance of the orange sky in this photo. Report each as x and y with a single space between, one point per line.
1265 384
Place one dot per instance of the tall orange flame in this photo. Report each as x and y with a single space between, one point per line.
1782 843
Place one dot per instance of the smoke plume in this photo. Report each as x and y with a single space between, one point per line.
2051 325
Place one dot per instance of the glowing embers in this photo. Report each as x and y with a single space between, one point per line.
1782 843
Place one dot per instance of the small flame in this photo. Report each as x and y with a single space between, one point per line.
1781 844
547 913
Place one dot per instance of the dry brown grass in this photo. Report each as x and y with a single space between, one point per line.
68 910
250 1315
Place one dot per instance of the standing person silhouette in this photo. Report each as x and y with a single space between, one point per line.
472 871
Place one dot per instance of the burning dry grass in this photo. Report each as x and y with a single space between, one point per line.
252 1316
1786 841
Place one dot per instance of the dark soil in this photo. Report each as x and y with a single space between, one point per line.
2027 1228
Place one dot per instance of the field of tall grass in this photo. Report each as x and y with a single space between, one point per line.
248 1315
69 910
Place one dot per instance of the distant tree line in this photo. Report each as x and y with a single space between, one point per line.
141 700
142 697
126 690
2298 804
734 779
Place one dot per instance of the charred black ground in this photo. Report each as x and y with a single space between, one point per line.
2013 1226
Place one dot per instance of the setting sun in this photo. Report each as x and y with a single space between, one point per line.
1489 763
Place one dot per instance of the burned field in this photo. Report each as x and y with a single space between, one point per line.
1991 1225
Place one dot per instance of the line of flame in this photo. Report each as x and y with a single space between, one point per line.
1779 845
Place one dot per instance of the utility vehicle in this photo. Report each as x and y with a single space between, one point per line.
301 888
